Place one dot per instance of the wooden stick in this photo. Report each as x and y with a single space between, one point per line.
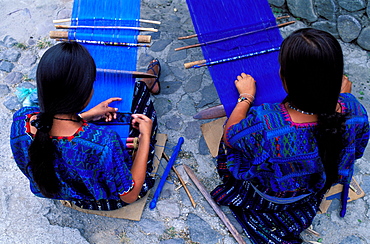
105 27
181 180
211 113
195 35
191 64
58 21
135 73
64 35
230 37
215 207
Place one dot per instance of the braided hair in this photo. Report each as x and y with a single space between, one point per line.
65 77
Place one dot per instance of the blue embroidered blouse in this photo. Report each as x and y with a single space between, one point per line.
281 157
91 165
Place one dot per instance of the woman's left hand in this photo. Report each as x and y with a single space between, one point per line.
102 110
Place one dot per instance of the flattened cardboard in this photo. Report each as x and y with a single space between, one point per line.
133 211
212 133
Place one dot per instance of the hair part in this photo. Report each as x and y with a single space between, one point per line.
65 77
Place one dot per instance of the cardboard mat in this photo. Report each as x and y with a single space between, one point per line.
134 210
212 133
355 192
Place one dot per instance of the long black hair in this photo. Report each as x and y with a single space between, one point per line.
65 77
311 66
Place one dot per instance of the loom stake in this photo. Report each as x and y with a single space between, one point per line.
111 43
211 113
202 63
64 35
215 207
181 181
153 203
58 21
104 27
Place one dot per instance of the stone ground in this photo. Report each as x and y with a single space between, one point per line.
25 218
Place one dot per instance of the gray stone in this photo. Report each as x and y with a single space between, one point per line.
150 226
173 241
277 3
201 232
349 28
160 45
176 55
186 106
203 148
193 84
184 196
170 87
10 55
6 66
28 60
144 60
9 41
364 39
13 78
12 103
326 8
209 95
162 106
175 123
178 72
4 90
352 240
302 9
27 85
352 5
168 208
368 9
192 130
327 26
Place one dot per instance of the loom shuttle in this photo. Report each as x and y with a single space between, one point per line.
158 191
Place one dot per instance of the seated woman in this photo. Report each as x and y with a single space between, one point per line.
63 155
280 159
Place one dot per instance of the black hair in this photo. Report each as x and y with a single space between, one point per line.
65 77
311 67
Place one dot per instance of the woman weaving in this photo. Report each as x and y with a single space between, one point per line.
281 158
66 157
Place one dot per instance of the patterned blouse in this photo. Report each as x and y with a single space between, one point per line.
91 165
281 158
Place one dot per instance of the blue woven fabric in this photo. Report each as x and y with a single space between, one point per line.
109 13
93 159
217 19
273 172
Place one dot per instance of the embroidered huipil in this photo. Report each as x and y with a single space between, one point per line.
92 164
281 157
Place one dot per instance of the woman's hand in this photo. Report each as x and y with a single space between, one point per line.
346 85
102 110
142 123
245 84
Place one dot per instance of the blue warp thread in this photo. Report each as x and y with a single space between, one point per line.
230 18
111 57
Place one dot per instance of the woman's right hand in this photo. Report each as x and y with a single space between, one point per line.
142 123
245 84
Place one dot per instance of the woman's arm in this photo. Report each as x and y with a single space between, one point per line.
246 86
102 110
138 169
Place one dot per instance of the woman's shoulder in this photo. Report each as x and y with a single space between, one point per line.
25 111
351 105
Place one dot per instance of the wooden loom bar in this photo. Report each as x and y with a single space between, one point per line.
135 73
64 35
181 181
105 27
230 37
215 207
195 35
58 21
